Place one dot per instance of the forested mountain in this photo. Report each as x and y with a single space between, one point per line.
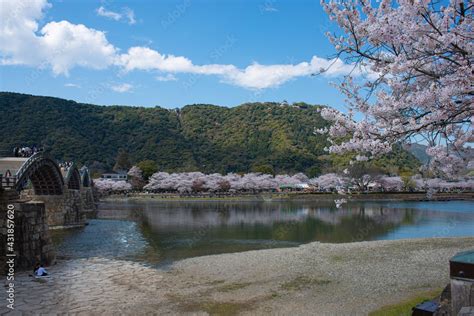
209 138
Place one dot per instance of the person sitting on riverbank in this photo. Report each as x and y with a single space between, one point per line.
40 270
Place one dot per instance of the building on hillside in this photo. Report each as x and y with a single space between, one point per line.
115 176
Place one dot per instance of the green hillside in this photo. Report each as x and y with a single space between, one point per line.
201 137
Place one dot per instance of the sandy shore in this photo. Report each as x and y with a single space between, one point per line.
313 279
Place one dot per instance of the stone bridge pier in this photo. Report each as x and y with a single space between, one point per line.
64 210
32 240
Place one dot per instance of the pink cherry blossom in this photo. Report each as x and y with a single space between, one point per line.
419 61
111 186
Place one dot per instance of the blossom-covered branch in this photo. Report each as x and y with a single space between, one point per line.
420 85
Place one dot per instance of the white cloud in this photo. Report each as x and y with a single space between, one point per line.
255 76
258 76
168 77
122 87
62 46
268 8
130 15
101 11
72 85
126 14
68 45
58 45
18 24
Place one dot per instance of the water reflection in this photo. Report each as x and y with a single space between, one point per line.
160 232
100 238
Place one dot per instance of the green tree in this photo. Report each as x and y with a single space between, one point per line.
267 169
313 171
148 167
408 183
122 162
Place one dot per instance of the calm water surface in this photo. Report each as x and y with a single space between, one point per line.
158 233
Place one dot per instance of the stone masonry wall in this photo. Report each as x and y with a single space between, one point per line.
88 198
71 208
88 202
63 210
32 239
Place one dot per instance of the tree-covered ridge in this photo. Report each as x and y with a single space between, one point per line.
254 135
251 137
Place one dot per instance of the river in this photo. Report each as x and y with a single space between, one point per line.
160 232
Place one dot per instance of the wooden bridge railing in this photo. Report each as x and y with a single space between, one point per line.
31 160
11 182
7 182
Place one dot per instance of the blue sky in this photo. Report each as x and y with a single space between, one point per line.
222 52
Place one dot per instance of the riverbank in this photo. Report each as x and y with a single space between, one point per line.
297 196
313 279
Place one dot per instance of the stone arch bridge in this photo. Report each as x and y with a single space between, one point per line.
43 194
65 190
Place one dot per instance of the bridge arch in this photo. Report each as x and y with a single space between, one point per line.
85 177
73 178
74 181
44 174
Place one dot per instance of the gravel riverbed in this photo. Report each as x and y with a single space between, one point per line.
313 279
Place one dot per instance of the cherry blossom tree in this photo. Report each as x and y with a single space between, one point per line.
361 175
160 181
224 185
329 182
390 184
135 172
418 59
111 186
136 179
213 182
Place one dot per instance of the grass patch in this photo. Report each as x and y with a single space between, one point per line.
303 282
233 287
214 308
404 307
222 308
337 258
186 304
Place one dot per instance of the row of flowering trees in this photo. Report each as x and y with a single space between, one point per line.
195 182
105 186
383 183
188 182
